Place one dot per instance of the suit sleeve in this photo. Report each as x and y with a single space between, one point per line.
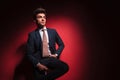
31 50
60 44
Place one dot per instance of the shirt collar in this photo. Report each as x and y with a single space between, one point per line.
43 28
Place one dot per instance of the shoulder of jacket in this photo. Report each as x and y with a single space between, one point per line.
32 32
51 29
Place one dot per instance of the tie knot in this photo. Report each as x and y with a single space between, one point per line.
43 29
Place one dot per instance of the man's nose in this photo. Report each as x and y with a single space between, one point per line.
43 19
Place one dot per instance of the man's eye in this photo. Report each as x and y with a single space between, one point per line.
44 17
39 16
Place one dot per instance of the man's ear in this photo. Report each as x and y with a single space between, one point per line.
35 21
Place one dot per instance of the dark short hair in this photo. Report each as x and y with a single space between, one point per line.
37 11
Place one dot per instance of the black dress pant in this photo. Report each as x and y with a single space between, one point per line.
57 68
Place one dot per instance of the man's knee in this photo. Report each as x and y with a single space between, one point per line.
65 67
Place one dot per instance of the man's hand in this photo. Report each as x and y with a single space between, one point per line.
53 55
41 67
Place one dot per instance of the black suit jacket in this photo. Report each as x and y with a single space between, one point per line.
34 45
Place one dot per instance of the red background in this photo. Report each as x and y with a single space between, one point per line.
84 26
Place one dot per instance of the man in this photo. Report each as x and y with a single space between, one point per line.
41 49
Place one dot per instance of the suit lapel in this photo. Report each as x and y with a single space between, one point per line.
39 41
49 35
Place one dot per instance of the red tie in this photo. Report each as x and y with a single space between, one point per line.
45 45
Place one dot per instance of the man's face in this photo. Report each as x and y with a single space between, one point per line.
41 19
